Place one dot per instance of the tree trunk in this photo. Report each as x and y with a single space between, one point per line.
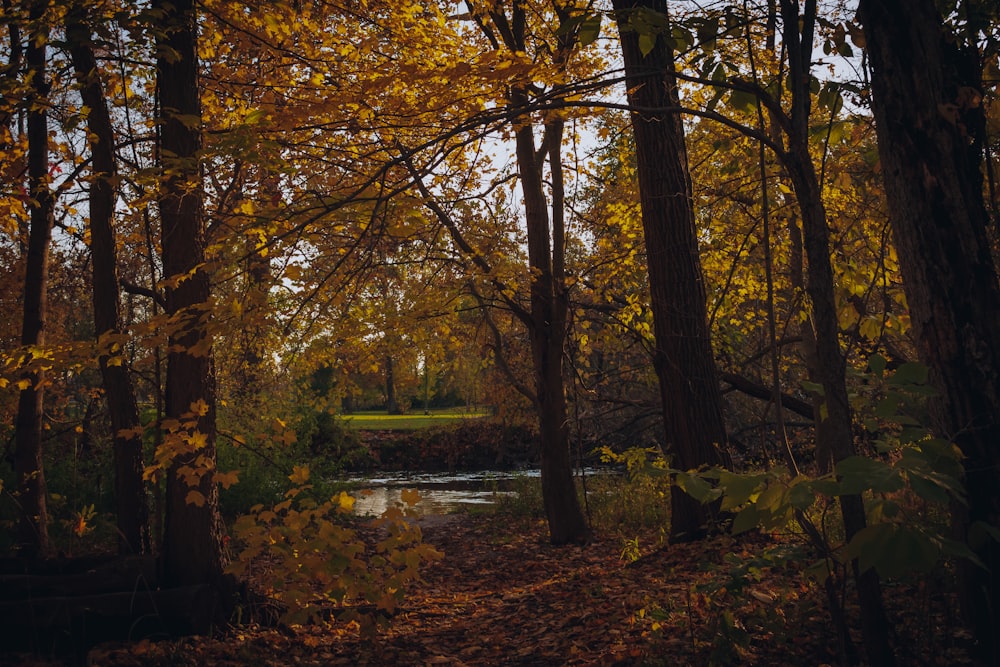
926 85
834 432
33 536
391 404
548 331
683 359
130 491
192 544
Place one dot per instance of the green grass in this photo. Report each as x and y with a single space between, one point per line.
381 421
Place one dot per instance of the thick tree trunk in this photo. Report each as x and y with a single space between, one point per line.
926 101
683 360
33 536
130 491
192 544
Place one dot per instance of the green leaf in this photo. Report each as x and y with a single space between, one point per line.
696 487
772 498
877 364
748 519
888 406
909 373
820 570
950 547
928 489
893 550
590 29
741 100
858 474
647 42
812 387
801 495
255 117
737 489
827 487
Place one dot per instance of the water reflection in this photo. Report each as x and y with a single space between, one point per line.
440 493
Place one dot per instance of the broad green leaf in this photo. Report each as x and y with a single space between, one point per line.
909 373
771 498
748 519
812 387
738 489
859 473
742 101
696 487
590 29
950 547
894 550
647 42
801 495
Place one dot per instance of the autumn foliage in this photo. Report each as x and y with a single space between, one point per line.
743 252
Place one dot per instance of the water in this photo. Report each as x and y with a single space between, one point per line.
440 493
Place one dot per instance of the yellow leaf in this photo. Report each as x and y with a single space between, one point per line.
23 384
114 361
200 407
410 496
300 474
197 440
195 497
346 501
227 479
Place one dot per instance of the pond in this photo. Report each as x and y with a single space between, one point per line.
440 493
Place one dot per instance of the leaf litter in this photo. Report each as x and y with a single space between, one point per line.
503 596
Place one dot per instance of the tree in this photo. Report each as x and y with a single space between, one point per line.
192 540
927 101
28 466
689 389
549 291
130 491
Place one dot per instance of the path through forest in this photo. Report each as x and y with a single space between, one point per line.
503 596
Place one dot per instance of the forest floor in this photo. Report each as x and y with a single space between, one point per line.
503 596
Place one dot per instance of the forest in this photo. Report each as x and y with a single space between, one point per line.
725 273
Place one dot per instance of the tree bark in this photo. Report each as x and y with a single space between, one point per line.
926 86
391 403
834 432
192 543
548 332
33 536
682 358
130 492
548 305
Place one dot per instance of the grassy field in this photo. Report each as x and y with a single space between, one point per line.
381 421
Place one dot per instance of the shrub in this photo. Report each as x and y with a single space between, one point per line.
319 566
